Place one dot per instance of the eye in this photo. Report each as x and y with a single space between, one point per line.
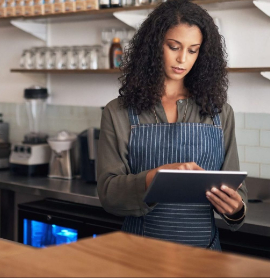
173 48
192 52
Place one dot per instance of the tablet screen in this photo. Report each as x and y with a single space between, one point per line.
185 186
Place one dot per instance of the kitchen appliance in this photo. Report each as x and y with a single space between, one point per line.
31 157
4 155
88 154
4 144
63 157
52 222
4 130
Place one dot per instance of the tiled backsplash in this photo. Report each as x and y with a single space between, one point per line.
252 131
70 118
253 140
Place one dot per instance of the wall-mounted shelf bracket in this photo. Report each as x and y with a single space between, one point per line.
266 74
37 29
132 18
263 5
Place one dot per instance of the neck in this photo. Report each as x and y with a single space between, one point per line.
175 90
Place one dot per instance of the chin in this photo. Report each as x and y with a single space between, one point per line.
175 77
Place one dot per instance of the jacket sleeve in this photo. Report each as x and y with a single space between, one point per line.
231 162
120 192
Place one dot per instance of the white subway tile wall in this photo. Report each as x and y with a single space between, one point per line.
239 120
253 169
253 141
70 118
252 131
265 138
246 137
265 171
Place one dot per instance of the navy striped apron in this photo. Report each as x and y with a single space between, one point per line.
153 145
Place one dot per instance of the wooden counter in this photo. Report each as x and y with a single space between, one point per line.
124 255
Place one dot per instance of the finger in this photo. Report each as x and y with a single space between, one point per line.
218 208
185 166
225 206
228 191
232 193
195 166
223 196
190 166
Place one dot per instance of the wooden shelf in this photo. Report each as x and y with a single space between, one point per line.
78 71
250 70
110 71
105 13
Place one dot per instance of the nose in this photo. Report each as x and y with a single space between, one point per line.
181 57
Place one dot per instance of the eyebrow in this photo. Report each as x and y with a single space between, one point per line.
181 43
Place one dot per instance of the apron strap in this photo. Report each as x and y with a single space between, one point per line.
216 120
133 117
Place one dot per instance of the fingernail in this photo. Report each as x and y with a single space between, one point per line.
208 194
224 187
213 189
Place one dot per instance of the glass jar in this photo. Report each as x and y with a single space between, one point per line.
22 59
94 57
50 58
106 38
142 2
127 3
153 2
72 57
83 57
61 57
30 58
40 57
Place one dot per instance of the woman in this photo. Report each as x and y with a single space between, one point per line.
171 114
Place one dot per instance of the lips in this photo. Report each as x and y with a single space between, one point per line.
178 70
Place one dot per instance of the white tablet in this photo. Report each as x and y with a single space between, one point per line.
182 186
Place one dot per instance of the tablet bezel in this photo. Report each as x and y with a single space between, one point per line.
166 188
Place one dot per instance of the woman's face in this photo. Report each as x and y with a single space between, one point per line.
181 49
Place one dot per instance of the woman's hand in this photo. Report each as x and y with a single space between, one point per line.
226 201
174 166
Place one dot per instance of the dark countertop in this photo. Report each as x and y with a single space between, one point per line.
75 190
257 220
78 191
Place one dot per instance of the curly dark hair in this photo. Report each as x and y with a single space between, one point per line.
142 79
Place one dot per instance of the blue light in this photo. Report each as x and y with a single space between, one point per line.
39 234
94 235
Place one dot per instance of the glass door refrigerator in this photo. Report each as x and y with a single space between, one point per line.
54 222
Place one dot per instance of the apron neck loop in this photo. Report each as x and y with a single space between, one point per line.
133 116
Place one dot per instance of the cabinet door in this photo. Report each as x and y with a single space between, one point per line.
93 230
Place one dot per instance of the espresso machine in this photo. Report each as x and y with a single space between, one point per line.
64 156
31 156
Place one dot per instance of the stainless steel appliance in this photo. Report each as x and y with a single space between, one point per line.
4 144
4 155
31 157
88 154
63 157
4 130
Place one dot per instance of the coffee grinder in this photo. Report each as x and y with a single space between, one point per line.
31 157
